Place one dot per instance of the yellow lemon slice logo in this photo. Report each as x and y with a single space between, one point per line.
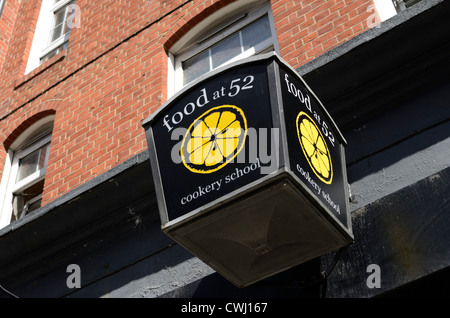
214 139
314 147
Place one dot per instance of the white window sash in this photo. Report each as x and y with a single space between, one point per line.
35 176
51 46
34 146
55 44
59 5
32 178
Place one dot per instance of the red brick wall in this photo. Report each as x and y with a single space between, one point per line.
7 20
308 28
114 74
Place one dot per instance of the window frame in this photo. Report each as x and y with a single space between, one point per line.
61 41
388 8
402 5
2 5
385 9
41 45
35 176
189 50
30 140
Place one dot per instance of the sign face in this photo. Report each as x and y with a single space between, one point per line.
207 140
315 151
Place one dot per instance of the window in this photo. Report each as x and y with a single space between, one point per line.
23 178
59 31
29 164
2 3
241 36
52 31
402 5
388 8
249 38
385 9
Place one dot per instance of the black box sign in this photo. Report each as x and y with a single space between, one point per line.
249 170
233 131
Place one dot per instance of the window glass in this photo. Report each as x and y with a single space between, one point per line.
226 50
196 66
231 47
31 163
27 200
60 26
256 33
28 165
34 205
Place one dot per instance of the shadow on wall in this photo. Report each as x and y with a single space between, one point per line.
398 132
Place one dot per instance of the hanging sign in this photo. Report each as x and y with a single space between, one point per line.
249 168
